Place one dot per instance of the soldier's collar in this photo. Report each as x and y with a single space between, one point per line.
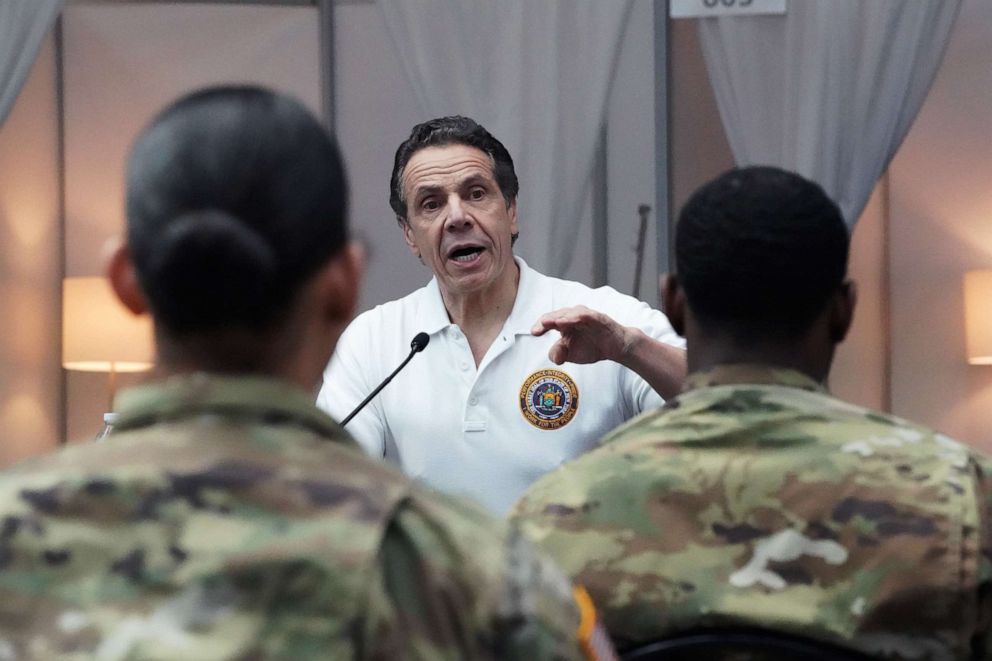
243 397
747 373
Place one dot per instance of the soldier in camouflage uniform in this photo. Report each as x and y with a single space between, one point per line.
755 498
227 517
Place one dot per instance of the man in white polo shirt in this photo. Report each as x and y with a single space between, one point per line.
496 400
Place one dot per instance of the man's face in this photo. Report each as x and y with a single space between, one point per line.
457 220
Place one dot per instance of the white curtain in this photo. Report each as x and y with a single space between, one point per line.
536 74
23 26
830 89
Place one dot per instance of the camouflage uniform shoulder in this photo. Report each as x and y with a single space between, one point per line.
776 505
466 585
146 548
211 526
634 425
982 641
738 389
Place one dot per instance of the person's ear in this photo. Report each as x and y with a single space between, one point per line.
124 279
673 301
511 210
340 283
842 311
408 237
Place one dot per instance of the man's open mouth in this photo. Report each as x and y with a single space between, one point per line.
466 254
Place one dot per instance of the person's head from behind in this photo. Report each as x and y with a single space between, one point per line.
761 259
237 239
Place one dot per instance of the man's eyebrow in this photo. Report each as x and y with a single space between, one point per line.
425 189
473 180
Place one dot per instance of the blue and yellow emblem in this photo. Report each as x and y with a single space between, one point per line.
549 399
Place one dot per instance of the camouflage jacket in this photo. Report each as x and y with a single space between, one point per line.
230 518
756 499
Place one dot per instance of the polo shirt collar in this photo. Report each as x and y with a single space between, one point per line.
432 316
241 397
533 299
750 374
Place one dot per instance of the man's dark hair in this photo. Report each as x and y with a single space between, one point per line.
235 195
445 131
759 251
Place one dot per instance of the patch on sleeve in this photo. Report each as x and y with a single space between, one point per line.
593 639
549 399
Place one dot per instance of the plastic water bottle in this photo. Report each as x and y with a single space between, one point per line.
109 419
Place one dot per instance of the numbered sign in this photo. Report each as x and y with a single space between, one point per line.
704 8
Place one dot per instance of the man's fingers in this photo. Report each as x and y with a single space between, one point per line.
540 328
558 323
558 352
562 319
546 322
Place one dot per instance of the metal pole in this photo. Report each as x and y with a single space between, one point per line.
325 9
600 214
643 210
63 419
661 143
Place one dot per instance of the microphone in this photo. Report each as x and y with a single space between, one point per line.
417 345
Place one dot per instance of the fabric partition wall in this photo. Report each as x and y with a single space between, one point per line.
23 26
537 75
828 90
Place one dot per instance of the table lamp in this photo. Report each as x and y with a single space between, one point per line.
100 335
978 316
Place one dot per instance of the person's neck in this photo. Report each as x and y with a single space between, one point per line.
481 314
236 356
803 355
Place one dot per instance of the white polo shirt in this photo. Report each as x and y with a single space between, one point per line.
486 432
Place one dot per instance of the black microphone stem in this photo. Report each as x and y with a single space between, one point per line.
418 344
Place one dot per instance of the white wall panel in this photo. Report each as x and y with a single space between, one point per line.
30 268
941 226
123 63
859 370
375 109
631 158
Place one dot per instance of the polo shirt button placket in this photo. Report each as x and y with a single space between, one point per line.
474 420
465 364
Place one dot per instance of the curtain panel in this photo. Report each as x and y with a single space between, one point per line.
537 75
828 90
23 26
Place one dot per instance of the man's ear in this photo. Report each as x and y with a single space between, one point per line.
511 210
673 301
339 283
408 236
842 311
124 279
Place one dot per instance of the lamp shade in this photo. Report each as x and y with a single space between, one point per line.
98 333
978 316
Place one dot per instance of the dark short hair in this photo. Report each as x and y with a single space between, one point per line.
235 195
453 130
760 251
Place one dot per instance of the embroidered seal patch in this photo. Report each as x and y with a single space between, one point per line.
549 399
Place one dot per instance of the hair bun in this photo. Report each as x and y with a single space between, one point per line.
209 268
